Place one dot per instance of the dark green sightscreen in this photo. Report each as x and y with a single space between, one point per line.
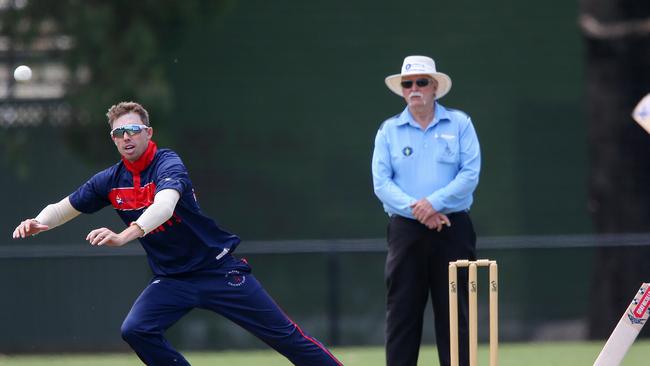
274 107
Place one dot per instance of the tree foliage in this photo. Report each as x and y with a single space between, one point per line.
121 50
617 69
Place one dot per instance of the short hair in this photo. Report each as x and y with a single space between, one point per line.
118 110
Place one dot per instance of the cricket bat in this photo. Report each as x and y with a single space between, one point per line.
641 113
627 329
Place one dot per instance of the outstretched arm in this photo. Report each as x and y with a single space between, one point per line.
155 215
50 217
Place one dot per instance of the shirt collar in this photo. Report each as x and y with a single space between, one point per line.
406 118
143 161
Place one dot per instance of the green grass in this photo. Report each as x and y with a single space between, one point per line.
513 354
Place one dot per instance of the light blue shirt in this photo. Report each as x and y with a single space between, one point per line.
441 162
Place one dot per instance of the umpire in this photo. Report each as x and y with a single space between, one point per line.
425 168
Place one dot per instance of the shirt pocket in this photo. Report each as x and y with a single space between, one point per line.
447 150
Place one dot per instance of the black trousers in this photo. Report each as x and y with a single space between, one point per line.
416 265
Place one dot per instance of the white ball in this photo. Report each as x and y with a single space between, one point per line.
23 73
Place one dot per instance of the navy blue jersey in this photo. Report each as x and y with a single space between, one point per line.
188 241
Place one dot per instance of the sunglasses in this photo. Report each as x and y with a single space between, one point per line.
408 84
128 129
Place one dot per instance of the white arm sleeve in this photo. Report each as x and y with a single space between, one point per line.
57 214
160 210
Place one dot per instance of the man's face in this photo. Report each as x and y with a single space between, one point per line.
131 147
417 95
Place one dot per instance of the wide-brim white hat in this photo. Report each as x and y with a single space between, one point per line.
419 65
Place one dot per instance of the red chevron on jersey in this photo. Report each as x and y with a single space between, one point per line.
189 241
132 198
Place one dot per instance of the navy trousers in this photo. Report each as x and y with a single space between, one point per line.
230 290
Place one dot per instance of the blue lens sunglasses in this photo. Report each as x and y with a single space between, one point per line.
128 129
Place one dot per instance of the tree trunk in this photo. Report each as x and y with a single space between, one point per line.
617 76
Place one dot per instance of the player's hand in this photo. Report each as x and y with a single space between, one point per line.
29 227
422 210
437 221
104 236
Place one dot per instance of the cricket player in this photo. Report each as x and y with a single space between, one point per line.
190 256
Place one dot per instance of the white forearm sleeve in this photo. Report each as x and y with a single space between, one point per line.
57 214
160 210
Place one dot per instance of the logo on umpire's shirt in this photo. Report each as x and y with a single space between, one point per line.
407 151
235 278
